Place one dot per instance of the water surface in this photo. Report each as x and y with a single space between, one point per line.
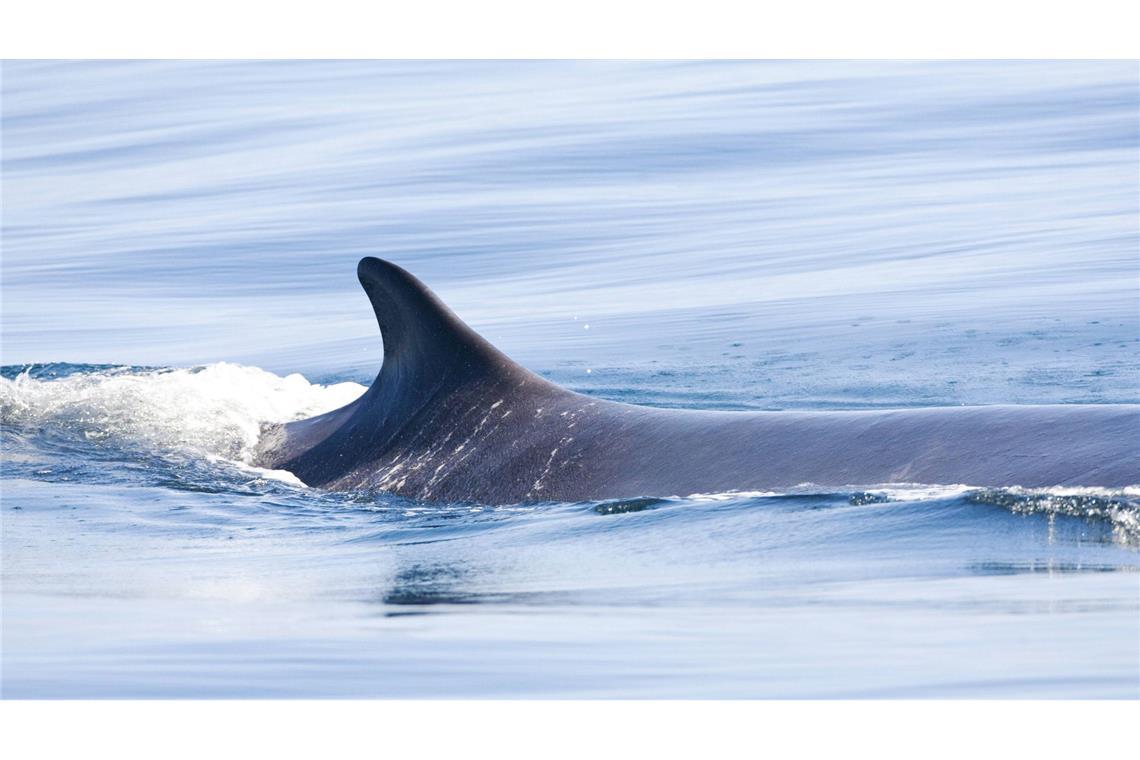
179 245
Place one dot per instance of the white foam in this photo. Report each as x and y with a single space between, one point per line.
926 492
893 492
729 495
921 491
1132 491
215 410
283 476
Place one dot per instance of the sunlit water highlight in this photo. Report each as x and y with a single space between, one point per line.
735 236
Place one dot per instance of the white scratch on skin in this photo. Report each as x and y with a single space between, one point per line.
390 475
439 472
538 486
409 466
406 465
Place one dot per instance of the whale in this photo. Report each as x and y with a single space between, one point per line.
450 418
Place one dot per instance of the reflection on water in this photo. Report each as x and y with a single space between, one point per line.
422 584
1049 568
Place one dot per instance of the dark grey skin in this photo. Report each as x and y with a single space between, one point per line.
451 418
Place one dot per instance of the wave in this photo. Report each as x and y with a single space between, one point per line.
1116 510
213 410
1119 507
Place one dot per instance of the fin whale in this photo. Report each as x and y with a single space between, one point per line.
451 418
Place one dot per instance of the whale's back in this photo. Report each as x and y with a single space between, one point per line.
449 417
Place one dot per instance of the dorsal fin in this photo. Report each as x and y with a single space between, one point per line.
429 354
423 339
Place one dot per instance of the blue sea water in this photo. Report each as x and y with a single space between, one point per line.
179 245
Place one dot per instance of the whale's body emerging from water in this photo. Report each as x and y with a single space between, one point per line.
451 418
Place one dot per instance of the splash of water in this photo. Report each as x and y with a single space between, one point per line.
214 410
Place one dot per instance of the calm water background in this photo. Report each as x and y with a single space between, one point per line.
179 239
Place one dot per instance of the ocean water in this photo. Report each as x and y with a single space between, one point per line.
179 246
